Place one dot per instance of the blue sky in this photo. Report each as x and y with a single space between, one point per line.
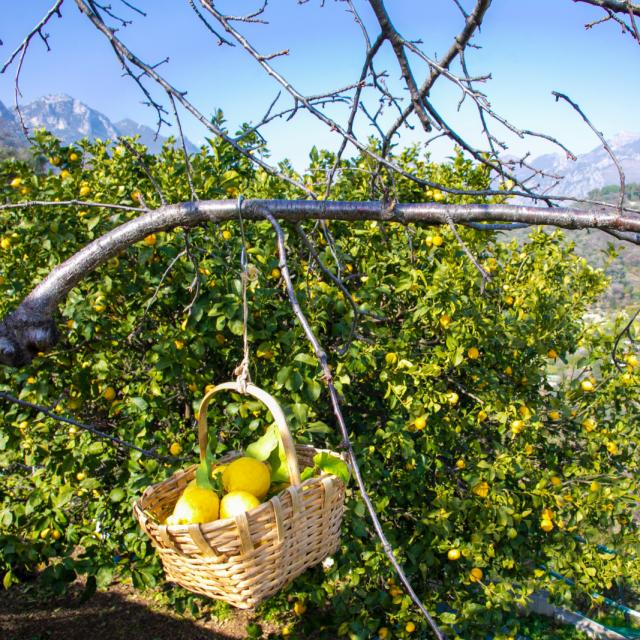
530 47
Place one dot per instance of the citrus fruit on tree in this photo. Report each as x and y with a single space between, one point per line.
247 474
236 502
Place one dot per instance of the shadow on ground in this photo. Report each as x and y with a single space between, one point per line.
116 614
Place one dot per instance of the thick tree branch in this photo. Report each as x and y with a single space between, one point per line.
31 328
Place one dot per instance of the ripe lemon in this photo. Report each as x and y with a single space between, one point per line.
226 234
420 423
16 182
175 449
587 385
73 157
546 525
552 353
85 191
410 627
473 353
109 394
481 489
299 608
460 464
383 633
437 241
275 273
391 358
453 554
236 502
195 505
445 320
554 415
475 575
247 474
588 424
150 240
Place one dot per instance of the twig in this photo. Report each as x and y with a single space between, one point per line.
335 403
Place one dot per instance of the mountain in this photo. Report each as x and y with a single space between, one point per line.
70 120
592 170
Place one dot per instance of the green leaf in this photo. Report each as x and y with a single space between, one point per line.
261 449
203 474
307 472
332 464
279 468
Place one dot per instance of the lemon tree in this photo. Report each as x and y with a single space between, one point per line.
496 436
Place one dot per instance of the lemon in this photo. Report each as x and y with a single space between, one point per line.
247 474
420 423
410 627
175 449
453 554
236 502
109 394
546 525
473 353
150 240
195 505
552 353
475 575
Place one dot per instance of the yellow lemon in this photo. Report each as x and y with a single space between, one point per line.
5 243
517 426
73 157
546 525
299 607
588 424
410 627
473 353
236 502
109 394
587 385
195 505
460 464
453 554
226 234
175 449
64 174
612 448
554 415
16 182
508 371
481 489
482 415
275 273
420 423
552 353
84 191
437 241
383 633
475 575
391 358
445 320
247 474
150 240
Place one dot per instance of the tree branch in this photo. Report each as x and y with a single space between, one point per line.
31 328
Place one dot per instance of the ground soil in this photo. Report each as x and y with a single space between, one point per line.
119 613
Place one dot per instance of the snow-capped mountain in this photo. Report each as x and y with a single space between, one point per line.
592 170
70 120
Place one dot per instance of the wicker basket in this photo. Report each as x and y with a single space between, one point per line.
245 559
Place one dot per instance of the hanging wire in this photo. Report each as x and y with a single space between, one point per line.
242 370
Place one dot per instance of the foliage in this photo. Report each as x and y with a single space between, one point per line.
465 440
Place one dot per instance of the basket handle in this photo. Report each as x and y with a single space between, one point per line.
271 403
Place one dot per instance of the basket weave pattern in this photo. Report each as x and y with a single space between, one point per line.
245 559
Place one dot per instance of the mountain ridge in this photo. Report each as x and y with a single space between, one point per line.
70 120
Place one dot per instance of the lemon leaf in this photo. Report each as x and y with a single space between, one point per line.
203 473
332 464
261 449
